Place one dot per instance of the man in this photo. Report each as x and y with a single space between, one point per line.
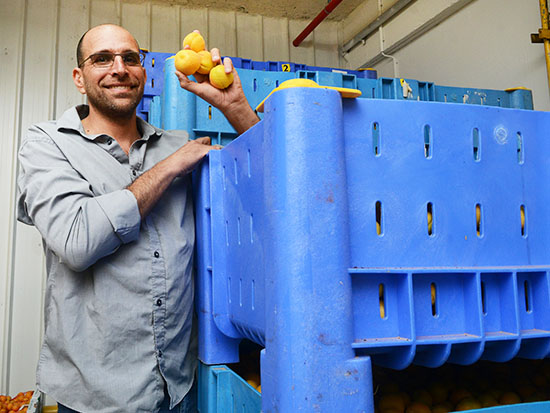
110 195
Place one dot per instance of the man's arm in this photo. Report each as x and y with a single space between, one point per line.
78 225
230 101
150 186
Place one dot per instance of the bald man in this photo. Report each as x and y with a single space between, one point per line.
111 196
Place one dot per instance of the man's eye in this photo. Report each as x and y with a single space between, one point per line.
131 59
102 58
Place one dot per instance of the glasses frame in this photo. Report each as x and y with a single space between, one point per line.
140 53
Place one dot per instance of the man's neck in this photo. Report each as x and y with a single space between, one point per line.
123 129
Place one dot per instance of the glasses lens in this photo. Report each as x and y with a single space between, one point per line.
131 58
102 59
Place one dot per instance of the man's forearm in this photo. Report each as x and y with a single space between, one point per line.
150 186
241 118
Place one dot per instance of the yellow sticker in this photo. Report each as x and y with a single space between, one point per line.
285 67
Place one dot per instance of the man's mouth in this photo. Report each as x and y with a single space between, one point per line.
120 87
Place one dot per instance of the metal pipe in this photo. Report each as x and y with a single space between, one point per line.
315 22
544 23
372 27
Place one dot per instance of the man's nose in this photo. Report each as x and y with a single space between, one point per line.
118 65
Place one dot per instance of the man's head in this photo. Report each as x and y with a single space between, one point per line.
107 71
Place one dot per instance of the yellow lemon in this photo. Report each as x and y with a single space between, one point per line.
206 62
418 407
195 41
187 62
469 403
220 79
442 408
509 398
391 401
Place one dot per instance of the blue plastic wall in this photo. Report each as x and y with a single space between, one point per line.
316 218
223 391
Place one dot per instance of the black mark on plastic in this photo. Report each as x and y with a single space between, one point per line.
376 138
476 144
428 141
520 148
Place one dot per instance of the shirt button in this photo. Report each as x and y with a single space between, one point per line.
109 141
156 254
134 172
159 302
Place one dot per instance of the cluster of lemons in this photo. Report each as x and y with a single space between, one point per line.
454 388
450 388
194 58
248 366
19 403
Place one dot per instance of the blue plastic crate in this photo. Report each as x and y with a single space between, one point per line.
316 218
178 109
154 85
221 390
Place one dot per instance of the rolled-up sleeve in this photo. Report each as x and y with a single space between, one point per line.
80 227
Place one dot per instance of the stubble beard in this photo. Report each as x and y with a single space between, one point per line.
112 108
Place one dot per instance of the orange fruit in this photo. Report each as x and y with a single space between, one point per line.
219 79
391 401
418 407
423 396
442 408
488 400
459 394
195 41
509 398
469 403
187 62
206 62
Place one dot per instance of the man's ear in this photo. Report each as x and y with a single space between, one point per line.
78 80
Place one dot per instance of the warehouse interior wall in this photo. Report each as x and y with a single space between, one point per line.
38 40
470 43
480 44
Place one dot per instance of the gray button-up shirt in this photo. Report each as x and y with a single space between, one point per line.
119 295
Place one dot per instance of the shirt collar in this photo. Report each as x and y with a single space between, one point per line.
72 120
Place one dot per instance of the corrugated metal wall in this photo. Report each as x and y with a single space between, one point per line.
38 40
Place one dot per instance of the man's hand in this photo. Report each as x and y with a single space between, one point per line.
150 186
231 101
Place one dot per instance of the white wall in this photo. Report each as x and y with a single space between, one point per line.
37 54
484 44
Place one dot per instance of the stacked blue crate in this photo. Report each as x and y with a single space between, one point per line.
386 230
179 109
221 391
154 85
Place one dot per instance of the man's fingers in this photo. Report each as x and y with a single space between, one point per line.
228 65
215 52
182 78
205 140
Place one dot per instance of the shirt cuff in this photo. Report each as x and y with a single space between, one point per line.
122 210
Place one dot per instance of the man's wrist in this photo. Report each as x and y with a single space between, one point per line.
241 116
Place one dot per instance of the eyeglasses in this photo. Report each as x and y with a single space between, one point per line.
105 60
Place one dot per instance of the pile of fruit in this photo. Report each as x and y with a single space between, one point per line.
194 58
19 403
453 388
249 365
450 388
